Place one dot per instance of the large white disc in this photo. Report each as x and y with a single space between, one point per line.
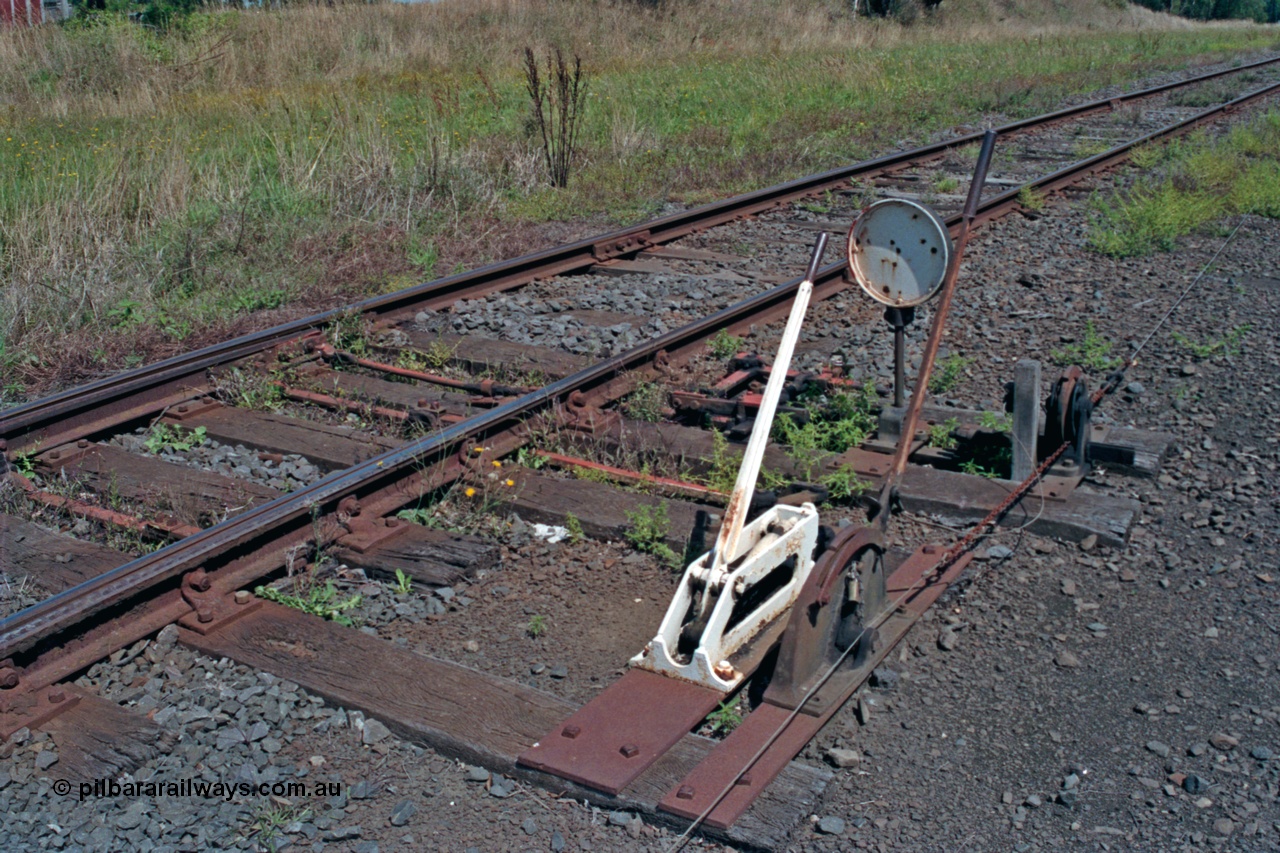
899 251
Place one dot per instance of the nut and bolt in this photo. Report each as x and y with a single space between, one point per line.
571 732
629 750
686 792
204 614
57 694
243 596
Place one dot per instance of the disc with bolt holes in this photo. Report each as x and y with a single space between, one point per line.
899 251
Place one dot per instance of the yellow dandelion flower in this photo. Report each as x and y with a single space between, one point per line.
497 464
511 482
470 492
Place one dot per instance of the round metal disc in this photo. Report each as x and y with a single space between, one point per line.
899 251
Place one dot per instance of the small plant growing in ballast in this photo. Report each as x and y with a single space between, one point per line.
537 626
724 345
163 437
648 532
726 717
404 583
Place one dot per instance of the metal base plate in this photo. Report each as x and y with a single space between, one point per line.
616 736
699 791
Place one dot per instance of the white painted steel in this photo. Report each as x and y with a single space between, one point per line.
899 251
778 534
743 554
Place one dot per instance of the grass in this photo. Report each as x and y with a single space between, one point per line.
647 532
1227 345
949 372
537 626
1201 179
198 181
845 422
724 345
1092 352
322 601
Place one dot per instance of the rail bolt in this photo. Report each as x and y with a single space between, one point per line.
8 678
57 694
243 596
629 750
205 615
686 792
571 732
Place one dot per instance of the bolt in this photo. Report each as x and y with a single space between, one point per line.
724 670
199 580
629 750
744 779
55 454
82 443
392 522
424 403
205 615
571 732
243 597
685 793
184 407
930 549
57 695
8 678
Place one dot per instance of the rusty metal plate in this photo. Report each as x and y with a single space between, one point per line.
715 776
616 736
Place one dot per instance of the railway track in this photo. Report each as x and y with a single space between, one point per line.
339 433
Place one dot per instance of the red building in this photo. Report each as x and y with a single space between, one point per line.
28 13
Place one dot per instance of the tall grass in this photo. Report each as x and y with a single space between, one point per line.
156 187
1200 180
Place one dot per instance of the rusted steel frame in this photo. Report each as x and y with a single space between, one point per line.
943 309
172 529
680 487
90 408
486 387
330 402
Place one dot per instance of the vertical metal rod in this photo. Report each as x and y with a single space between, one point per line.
907 436
735 514
1026 417
899 361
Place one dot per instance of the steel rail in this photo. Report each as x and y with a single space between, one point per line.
26 628
83 410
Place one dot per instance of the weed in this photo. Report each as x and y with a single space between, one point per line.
1229 345
648 531
940 435
844 484
971 466
174 438
319 601
24 462
1093 352
532 459
349 333
726 717
946 184
646 403
125 313
1032 199
404 583
949 372
724 345
537 626
845 422
574 526
723 473
995 422
249 390
268 822
1085 148
557 110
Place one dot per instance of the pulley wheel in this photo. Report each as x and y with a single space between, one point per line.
1067 413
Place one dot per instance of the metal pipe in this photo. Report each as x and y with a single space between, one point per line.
907 436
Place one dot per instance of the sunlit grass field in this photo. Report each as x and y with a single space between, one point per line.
157 189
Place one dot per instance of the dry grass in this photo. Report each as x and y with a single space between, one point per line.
154 188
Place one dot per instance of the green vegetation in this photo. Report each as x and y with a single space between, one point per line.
948 373
268 822
843 484
529 458
1202 180
726 717
317 600
24 462
845 421
163 437
972 466
404 583
646 403
1093 352
648 532
537 626
574 526
940 435
946 184
724 345
217 164
1228 345
1032 199
995 421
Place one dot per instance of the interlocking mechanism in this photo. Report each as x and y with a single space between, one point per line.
755 571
